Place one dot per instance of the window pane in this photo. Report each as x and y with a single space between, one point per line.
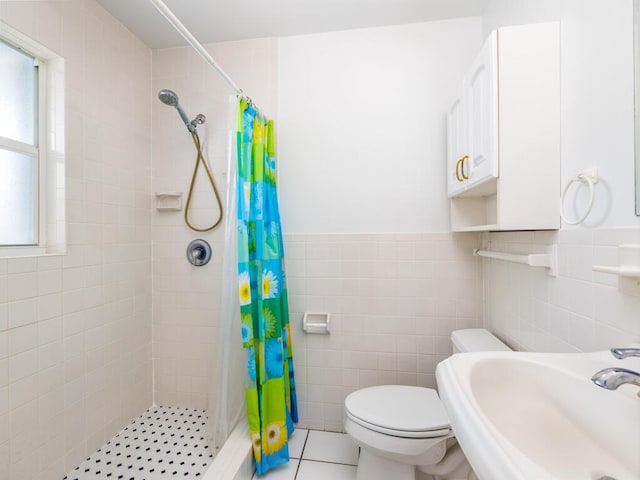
17 198
17 95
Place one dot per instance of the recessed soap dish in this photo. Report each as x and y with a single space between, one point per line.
169 201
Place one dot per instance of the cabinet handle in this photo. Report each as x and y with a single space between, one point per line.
460 169
466 157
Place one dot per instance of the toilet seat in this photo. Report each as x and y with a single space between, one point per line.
399 410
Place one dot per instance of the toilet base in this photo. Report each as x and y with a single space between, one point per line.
373 467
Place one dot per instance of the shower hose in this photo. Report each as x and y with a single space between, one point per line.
200 159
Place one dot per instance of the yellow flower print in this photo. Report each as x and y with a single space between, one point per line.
247 194
275 435
255 440
287 331
245 289
269 284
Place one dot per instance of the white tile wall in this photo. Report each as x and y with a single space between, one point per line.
394 301
75 337
579 310
186 299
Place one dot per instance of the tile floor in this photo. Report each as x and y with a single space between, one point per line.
168 442
317 455
162 443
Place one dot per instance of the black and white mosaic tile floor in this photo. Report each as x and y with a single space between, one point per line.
164 442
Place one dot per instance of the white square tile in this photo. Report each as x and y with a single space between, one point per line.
297 441
322 471
285 472
330 447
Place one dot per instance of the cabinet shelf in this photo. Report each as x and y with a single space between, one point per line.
479 228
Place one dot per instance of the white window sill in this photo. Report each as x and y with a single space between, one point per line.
29 251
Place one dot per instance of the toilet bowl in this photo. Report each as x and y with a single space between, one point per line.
399 427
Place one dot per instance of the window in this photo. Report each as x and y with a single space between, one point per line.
32 157
18 147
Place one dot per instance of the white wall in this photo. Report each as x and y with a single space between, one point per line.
362 126
394 301
75 330
597 96
579 310
361 138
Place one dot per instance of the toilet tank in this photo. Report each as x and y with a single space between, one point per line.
476 340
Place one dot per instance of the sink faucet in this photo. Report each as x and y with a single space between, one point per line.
612 378
625 352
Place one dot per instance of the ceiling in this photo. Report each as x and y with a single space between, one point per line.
222 20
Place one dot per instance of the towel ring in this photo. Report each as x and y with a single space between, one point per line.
587 178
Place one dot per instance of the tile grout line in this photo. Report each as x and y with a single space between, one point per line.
306 438
326 461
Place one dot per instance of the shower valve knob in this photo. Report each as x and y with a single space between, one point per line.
199 252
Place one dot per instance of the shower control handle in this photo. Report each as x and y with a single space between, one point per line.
199 252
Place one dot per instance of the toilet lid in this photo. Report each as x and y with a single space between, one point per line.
398 408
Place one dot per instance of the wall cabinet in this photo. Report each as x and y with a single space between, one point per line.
503 134
472 123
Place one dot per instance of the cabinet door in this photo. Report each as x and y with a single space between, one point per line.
456 146
481 105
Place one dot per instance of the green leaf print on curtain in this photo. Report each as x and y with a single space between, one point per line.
266 336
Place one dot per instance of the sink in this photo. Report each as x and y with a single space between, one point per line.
538 416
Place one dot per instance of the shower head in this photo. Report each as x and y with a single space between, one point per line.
169 97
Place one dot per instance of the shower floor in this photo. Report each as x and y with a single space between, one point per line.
164 442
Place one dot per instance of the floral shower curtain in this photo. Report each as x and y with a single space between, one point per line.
266 336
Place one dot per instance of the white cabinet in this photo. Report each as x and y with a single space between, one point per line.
503 134
481 93
456 147
472 128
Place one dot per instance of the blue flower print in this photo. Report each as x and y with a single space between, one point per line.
251 364
246 333
274 358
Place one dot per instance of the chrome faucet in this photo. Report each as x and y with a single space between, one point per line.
625 352
612 378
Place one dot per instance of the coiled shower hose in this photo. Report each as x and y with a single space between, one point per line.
200 159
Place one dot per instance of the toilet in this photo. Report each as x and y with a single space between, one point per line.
399 427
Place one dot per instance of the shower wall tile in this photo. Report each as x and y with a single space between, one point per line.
394 300
75 329
579 310
186 299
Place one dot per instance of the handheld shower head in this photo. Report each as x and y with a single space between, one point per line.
169 97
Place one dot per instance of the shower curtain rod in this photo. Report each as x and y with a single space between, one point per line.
186 34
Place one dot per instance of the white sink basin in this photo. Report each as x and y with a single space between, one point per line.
538 416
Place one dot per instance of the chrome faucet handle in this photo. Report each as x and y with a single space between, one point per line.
612 378
625 352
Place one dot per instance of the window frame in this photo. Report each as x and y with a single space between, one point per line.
32 150
49 186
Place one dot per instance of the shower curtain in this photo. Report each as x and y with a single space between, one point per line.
226 396
266 338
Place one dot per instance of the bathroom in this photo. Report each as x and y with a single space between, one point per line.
91 339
